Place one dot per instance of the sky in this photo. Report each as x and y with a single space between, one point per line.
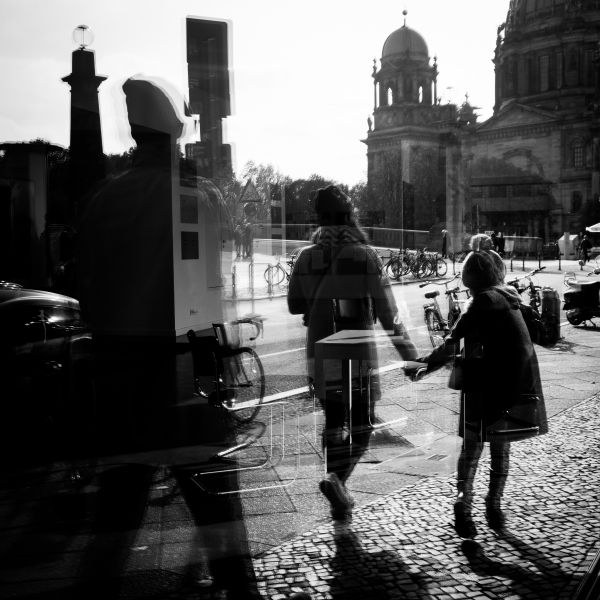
300 69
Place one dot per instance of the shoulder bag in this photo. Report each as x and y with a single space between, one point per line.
519 422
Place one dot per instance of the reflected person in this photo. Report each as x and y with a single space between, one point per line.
338 283
126 258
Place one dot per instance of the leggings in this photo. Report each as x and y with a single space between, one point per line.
467 467
343 454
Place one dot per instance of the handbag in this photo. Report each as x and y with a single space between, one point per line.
467 373
519 422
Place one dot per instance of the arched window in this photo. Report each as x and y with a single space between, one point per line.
390 97
420 94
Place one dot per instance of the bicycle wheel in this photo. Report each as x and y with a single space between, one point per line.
268 274
405 263
435 327
420 268
441 268
393 268
245 385
276 274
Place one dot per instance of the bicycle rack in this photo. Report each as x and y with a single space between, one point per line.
268 463
270 280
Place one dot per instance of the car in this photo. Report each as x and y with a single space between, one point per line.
45 359
40 330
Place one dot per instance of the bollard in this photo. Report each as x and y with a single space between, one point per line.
523 257
251 275
511 261
559 255
453 264
233 282
270 281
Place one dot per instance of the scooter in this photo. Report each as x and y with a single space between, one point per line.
582 299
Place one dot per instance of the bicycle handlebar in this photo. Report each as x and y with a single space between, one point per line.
526 275
256 320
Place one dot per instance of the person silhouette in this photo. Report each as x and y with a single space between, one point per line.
338 283
500 374
125 249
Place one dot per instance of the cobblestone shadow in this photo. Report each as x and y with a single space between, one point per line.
382 573
531 574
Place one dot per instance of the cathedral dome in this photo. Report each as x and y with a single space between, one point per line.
405 43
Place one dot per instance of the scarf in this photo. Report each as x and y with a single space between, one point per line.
339 235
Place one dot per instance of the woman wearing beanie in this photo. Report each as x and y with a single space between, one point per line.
500 373
338 283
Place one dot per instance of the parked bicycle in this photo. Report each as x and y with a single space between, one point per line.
228 374
439 326
280 272
524 283
544 301
397 265
419 263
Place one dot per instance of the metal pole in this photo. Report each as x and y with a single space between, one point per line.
251 274
270 281
233 282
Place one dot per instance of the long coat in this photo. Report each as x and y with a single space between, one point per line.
340 266
500 368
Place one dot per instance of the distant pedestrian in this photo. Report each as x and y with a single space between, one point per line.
248 239
494 237
238 240
338 283
500 380
577 243
584 249
501 241
444 243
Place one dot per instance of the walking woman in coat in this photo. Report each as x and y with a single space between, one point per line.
501 392
338 283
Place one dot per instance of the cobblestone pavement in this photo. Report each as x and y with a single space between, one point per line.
402 545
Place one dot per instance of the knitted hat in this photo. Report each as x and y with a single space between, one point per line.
331 200
480 271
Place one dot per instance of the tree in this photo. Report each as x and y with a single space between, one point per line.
360 199
264 177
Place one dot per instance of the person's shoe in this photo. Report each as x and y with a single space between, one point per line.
494 515
463 523
333 489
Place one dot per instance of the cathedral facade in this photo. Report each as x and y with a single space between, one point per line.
532 169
